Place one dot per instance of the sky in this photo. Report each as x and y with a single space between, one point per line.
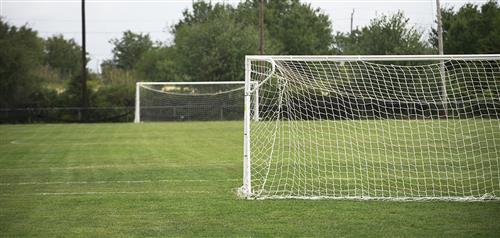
107 19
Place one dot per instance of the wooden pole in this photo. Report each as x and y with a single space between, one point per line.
261 27
439 28
352 19
84 102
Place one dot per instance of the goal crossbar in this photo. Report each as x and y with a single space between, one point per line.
192 83
374 57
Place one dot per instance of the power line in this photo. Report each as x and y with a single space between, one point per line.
96 32
78 21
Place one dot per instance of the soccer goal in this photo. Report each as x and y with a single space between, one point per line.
189 101
410 127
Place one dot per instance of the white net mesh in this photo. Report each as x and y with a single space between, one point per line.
190 102
376 130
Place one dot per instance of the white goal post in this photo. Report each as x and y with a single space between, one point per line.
189 101
388 127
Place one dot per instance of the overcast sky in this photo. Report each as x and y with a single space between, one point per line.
107 19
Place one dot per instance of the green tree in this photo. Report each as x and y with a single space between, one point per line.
470 30
201 12
129 49
117 88
211 40
72 94
158 64
214 49
20 55
298 27
63 56
384 36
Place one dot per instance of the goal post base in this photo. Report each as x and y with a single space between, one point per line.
243 193
396 199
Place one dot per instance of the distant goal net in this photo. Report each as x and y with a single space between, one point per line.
189 101
416 127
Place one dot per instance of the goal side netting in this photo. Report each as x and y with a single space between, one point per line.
373 127
189 101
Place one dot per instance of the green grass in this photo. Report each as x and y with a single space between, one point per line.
178 179
377 158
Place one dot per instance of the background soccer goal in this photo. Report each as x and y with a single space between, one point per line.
373 127
189 101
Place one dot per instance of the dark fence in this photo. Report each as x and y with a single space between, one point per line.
370 109
66 114
332 109
195 112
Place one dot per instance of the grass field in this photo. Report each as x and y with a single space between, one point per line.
376 158
178 179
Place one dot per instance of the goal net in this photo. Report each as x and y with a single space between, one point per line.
189 101
373 127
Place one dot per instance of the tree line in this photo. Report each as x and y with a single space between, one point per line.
209 44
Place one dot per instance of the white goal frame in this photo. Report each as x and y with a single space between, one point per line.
137 117
246 190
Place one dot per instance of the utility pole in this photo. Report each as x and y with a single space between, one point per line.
439 28
444 94
261 27
352 18
84 103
